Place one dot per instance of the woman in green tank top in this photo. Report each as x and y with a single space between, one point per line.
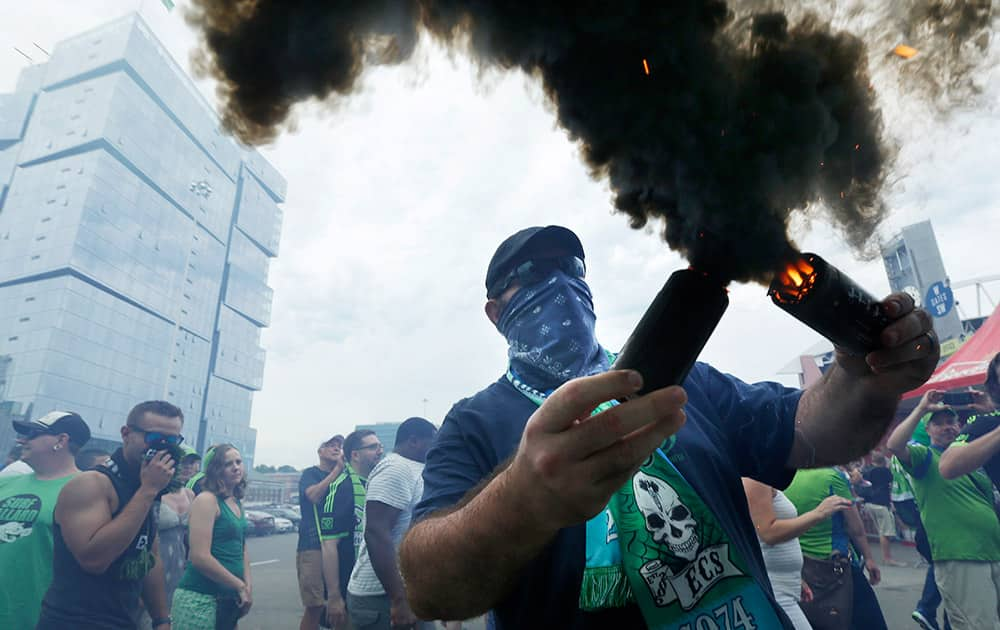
215 590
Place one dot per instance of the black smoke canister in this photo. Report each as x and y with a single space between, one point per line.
825 299
671 334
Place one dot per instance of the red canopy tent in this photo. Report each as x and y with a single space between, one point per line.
968 365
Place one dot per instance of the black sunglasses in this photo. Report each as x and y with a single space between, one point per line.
535 270
155 437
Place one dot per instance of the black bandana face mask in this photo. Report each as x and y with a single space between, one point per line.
549 327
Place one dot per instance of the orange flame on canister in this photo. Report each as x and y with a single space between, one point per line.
797 280
645 66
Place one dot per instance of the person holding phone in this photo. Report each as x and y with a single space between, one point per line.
215 590
959 517
978 445
105 547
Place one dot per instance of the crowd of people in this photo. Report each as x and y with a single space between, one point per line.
146 538
938 490
554 497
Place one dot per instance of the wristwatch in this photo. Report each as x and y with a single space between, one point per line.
163 620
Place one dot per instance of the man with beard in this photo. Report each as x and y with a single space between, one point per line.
958 514
27 503
979 443
614 515
106 549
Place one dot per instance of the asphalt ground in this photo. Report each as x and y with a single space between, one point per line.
277 605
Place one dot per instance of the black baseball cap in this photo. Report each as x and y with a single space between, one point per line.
522 245
57 422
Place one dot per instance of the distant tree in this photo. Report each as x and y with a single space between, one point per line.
264 468
287 468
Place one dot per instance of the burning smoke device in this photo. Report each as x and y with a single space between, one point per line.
674 329
820 296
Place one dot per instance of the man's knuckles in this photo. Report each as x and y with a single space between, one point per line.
548 464
573 394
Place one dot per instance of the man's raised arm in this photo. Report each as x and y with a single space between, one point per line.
963 457
460 563
317 491
843 416
84 515
901 435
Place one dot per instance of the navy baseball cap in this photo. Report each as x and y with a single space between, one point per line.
524 244
55 423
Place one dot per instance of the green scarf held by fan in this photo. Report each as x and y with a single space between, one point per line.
631 562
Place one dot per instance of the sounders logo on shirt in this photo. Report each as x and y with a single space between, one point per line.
697 557
17 516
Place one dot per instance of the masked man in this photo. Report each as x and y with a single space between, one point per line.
623 515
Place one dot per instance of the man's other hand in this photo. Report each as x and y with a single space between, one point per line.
336 611
570 463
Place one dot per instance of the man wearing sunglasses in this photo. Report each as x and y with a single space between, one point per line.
27 503
106 549
554 506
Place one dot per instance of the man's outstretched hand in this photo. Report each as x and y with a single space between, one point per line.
909 352
570 463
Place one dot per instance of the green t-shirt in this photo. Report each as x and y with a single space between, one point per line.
957 514
807 491
902 488
920 435
26 507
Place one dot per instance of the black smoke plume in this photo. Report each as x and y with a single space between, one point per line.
719 120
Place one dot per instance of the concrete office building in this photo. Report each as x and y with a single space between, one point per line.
135 240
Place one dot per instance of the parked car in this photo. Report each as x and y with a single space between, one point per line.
287 513
261 523
282 525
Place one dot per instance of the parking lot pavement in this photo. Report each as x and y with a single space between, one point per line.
277 606
901 586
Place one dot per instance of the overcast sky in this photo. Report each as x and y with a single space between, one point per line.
398 198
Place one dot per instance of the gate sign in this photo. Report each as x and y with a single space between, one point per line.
940 299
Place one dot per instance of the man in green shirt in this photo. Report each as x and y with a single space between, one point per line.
26 506
978 446
825 548
958 515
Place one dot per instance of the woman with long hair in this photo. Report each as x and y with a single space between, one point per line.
215 590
